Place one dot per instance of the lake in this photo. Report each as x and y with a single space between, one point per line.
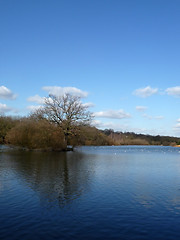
117 192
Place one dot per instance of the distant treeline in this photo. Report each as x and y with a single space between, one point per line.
37 133
131 138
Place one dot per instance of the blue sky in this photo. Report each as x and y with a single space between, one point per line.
121 56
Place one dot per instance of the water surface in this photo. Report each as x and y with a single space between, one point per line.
126 192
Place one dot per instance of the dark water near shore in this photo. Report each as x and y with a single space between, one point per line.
127 192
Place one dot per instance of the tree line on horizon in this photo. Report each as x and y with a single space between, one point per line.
64 121
131 138
28 133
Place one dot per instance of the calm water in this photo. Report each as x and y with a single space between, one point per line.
93 193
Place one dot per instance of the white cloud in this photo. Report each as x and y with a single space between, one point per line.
115 114
152 117
158 117
176 128
117 126
88 104
177 125
141 108
109 125
147 116
173 91
4 108
145 92
96 123
58 91
33 108
36 99
6 93
126 128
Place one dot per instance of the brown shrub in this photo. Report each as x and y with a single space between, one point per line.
88 135
36 135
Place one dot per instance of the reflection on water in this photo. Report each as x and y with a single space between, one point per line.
56 177
128 192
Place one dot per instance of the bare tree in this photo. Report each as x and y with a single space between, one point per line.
67 112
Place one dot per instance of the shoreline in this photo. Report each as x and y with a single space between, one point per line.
69 148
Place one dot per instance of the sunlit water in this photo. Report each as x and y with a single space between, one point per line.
126 192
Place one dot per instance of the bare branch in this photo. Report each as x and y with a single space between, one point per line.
65 111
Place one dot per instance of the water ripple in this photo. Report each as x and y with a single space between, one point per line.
93 193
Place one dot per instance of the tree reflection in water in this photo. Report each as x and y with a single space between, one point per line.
57 178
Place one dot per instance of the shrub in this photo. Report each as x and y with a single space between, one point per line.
36 135
88 135
6 123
